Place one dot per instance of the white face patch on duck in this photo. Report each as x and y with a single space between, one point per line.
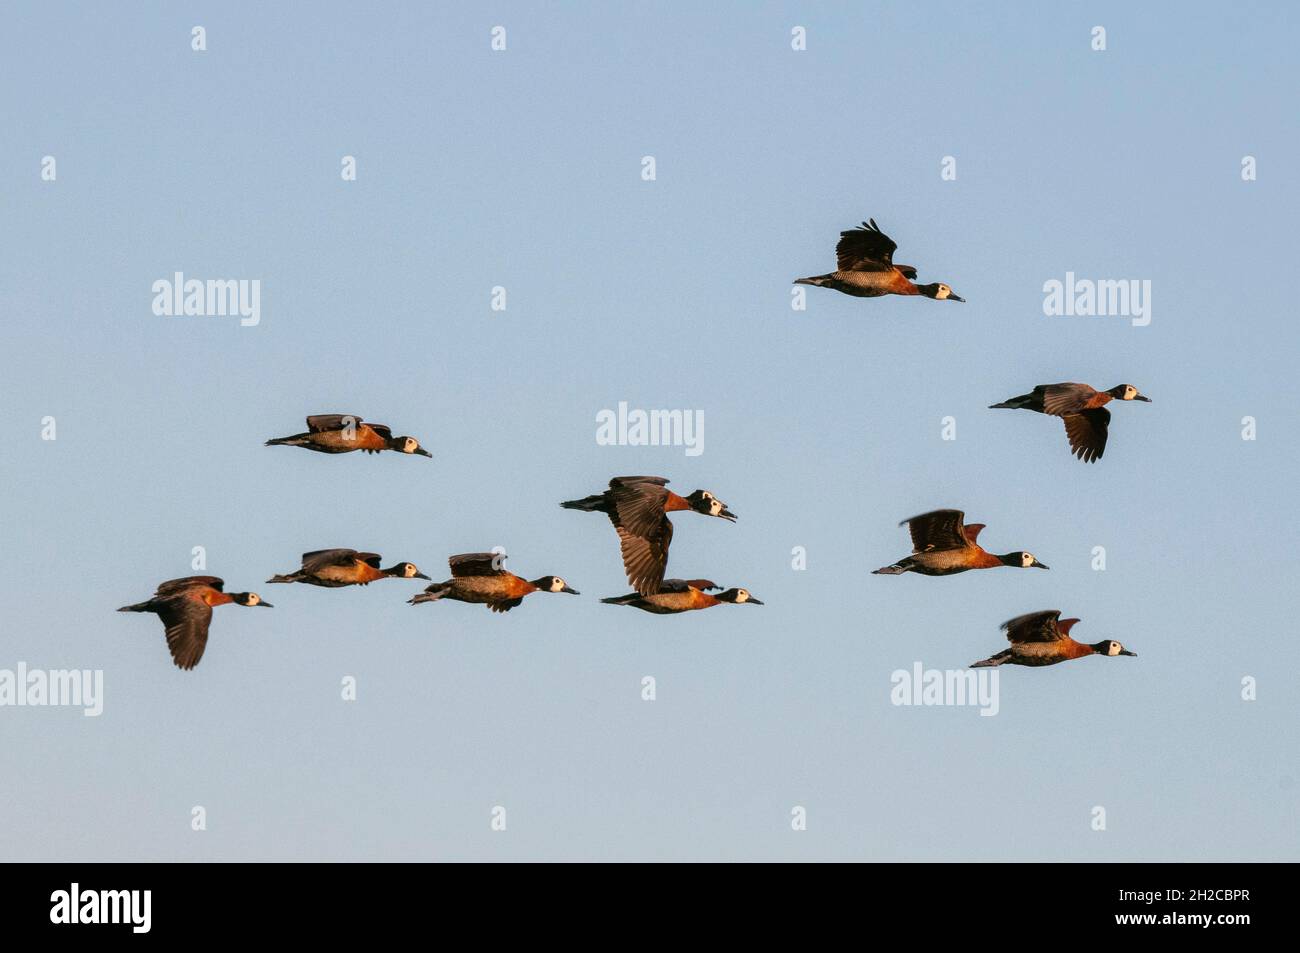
1114 648
1130 391
943 292
253 599
410 445
408 570
557 584
1027 560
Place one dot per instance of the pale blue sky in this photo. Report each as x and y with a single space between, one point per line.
522 169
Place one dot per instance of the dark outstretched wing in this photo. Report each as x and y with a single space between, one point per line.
1087 433
504 605
186 621
173 586
644 529
321 558
383 430
865 248
320 423
939 529
646 557
638 504
1035 627
1062 399
477 564
324 558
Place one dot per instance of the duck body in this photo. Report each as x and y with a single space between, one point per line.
638 506
479 578
1081 407
1043 638
864 284
865 268
344 433
185 608
335 568
682 595
943 545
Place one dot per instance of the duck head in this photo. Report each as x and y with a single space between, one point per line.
1111 647
702 501
939 292
1127 392
249 599
1022 560
554 584
408 445
737 596
404 571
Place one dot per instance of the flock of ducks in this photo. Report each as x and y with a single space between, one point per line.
639 508
942 544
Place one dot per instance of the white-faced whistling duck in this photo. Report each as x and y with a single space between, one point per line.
942 545
1081 407
864 259
478 577
638 506
346 567
682 595
185 607
1043 638
343 433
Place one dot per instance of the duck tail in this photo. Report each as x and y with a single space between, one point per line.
620 600
1015 403
294 441
588 504
138 607
292 577
429 595
816 280
993 660
894 570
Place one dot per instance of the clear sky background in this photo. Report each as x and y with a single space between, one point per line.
822 428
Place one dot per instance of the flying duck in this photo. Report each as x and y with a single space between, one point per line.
343 433
638 506
943 545
1043 638
185 607
1081 407
682 595
333 568
480 578
865 268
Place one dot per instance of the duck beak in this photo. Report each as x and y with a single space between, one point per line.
420 575
726 514
1143 398
1127 652
422 452
956 297
752 600
571 591
1038 565
266 604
